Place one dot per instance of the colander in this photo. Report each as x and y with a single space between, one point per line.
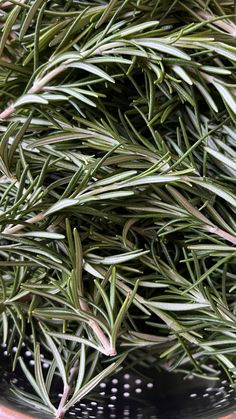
140 394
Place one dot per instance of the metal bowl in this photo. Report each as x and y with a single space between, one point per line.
143 393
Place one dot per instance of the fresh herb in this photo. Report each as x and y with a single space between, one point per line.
118 163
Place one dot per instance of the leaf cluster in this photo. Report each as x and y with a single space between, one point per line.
117 188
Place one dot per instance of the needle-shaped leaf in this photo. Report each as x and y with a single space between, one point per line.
91 68
80 394
29 17
138 28
180 71
77 339
11 18
82 367
29 377
76 94
106 301
40 380
57 358
43 235
27 99
152 43
78 267
113 260
226 95
106 12
176 306
64 203
206 95
216 189
222 158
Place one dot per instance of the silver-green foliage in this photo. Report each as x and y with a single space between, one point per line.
117 188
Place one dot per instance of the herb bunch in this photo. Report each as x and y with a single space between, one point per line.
117 192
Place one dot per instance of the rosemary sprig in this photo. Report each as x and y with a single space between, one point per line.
117 192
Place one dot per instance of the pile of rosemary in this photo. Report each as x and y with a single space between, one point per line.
117 189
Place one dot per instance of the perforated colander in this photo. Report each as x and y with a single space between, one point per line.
144 394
